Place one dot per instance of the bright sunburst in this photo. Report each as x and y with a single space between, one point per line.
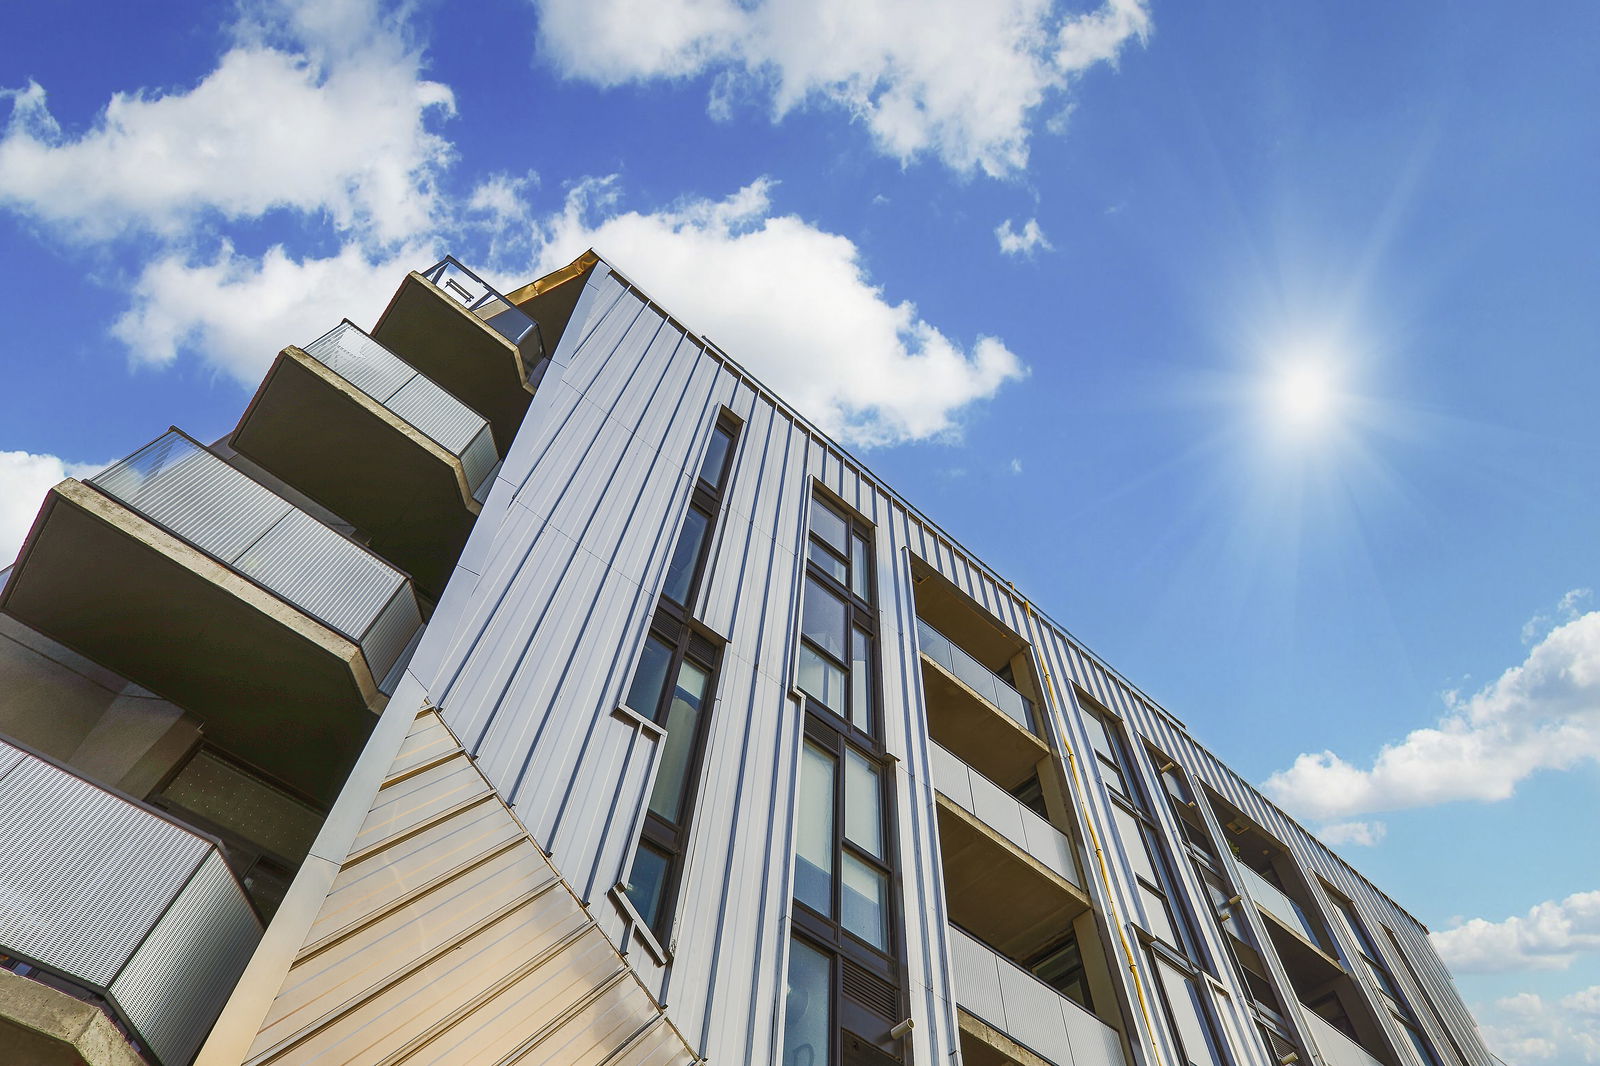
1301 392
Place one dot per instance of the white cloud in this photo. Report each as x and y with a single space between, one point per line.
1029 240
317 108
1541 715
1549 937
1565 611
238 311
1357 834
1015 465
791 302
963 81
24 480
1526 1029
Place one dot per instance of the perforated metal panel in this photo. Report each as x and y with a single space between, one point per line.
174 986
83 875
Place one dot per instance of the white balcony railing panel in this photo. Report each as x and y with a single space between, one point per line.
1004 995
1335 1048
1271 897
1003 813
979 678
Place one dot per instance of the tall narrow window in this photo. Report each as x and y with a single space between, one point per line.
673 685
1415 1049
844 880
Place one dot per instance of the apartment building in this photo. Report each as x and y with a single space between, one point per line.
520 681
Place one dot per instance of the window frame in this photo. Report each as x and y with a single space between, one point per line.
861 613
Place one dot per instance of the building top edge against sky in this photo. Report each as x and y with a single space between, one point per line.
992 591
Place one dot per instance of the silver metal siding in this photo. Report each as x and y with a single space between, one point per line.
174 986
572 566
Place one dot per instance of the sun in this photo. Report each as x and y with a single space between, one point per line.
1301 394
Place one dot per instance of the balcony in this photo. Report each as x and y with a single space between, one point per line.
1009 875
117 904
1334 1047
1025 1009
452 326
973 712
183 575
364 434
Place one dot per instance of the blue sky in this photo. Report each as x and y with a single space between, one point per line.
1257 341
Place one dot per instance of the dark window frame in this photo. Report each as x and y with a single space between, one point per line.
860 613
673 625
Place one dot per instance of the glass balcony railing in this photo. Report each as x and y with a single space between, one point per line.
1273 899
1004 813
979 678
100 895
198 497
349 352
1003 994
498 313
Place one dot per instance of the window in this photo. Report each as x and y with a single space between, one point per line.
1061 967
673 686
690 661
837 622
1188 1017
844 876
1416 1050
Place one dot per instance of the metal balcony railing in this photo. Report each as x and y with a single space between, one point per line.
498 313
1276 902
182 487
979 678
1003 812
1003 994
104 894
1336 1048
349 352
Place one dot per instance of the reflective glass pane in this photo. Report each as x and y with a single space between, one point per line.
716 460
649 677
860 567
823 620
864 902
814 844
861 680
830 527
863 804
830 563
822 679
647 883
677 747
808 1008
680 572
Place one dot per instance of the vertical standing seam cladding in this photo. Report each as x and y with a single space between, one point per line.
565 568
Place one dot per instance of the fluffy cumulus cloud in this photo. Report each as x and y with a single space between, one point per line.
240 310
1357 834
1549 937
24 479
1526 1029
965 82
317 108
1021 242
794 304
1541 715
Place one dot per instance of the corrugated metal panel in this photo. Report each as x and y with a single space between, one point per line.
437 413
349 352
83 875
479 459
320 572
390 633
174 986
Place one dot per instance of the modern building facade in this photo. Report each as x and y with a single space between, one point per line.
522 682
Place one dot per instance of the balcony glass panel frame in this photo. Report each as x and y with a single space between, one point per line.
979 678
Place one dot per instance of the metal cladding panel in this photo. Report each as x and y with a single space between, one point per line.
174 986
196 495
975 979
436 413
84 875
390 633
322 573
349 352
